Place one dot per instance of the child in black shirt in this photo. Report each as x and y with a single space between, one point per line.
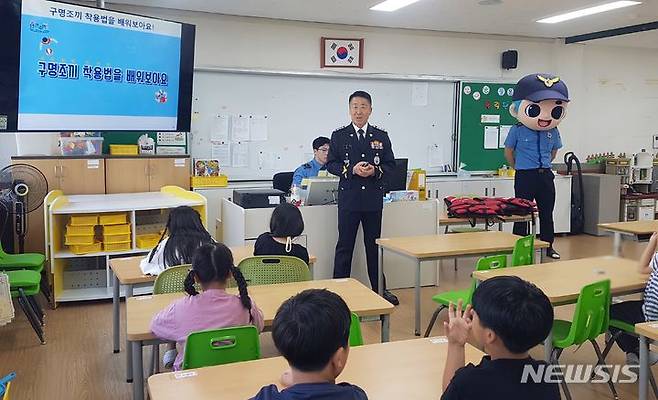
509 316
285 225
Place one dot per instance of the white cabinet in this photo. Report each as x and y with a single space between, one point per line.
502 188
476 188
562 211
493 187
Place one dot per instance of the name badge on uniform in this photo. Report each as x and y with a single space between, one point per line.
376 160
376 145
549 135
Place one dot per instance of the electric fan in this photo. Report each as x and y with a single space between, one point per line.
22 190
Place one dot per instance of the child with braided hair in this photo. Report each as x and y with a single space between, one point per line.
213 308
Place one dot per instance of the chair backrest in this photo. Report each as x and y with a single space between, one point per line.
356 337
282 181
592 314
524 251
486 264
265 270
172 280
221 346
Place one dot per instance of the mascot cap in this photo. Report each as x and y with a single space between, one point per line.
538 87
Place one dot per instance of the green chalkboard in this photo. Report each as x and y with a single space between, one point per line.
483 104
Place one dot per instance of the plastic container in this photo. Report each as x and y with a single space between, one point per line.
86 249
116 238
81 146
121 246
113 219
148 240
209 181
82 230
116 229
82 240
84 220
124 149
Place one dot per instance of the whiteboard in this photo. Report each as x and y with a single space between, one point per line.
300 108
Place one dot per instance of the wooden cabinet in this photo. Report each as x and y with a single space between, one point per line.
133 175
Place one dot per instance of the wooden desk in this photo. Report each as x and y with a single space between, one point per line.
562 281
633 228
127 273
446 221
437 247
648 332
410 369
140 311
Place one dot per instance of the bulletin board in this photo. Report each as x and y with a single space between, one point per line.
484 120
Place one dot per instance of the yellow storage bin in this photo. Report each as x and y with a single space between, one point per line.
121 246
148 240
86 249
113 219
124 149
122 229
85 240
117 238
84 220
209 181
83 230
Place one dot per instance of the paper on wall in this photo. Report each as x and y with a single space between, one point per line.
171 138
419 93
240 128
220 129
170 150
504 131
490 119
490 137
258 127
240 156
221 152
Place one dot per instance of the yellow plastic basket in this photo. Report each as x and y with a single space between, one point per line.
122 229
124 149
87 230
116 238
86 249
79 240
209 181
117 246
148 240
113 219
84 220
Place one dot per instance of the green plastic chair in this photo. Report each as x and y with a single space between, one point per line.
524 251
30 261
172 280
444 299
221 346
25 285
356 337
267 270
590 319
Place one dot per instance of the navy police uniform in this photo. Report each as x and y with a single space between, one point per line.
360 200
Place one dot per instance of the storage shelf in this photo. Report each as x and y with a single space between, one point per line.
68 254
97 293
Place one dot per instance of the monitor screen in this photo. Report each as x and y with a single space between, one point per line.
397 178
70 67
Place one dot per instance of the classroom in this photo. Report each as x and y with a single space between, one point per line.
383 199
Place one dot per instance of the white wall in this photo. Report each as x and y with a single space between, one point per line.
613 88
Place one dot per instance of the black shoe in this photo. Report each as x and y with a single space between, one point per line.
391 298
550 252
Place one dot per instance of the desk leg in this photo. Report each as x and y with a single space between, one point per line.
417 295
548 347
617 244
380 271
644 368
386 328
500 226
533 225
129 349
115 314
138 370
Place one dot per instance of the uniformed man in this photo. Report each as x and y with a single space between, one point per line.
361 155
539 103
317 164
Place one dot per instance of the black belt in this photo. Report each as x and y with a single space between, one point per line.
538 170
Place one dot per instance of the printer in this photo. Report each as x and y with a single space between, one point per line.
258 198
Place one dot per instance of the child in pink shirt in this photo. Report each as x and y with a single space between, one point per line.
213 308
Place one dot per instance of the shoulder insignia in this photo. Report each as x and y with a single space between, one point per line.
340 129
306 166
379 129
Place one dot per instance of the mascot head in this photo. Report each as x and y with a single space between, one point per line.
540 101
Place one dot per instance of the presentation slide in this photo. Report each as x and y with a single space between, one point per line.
83 68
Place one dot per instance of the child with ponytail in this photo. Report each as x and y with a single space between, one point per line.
285 225
213 308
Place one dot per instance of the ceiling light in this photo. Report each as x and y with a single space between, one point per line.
588 11
392 5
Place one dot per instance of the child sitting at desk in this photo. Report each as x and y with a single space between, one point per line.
636 311
509 317
183 234
285 225
311 331
213 308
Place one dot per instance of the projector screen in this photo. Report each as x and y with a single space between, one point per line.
83 68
